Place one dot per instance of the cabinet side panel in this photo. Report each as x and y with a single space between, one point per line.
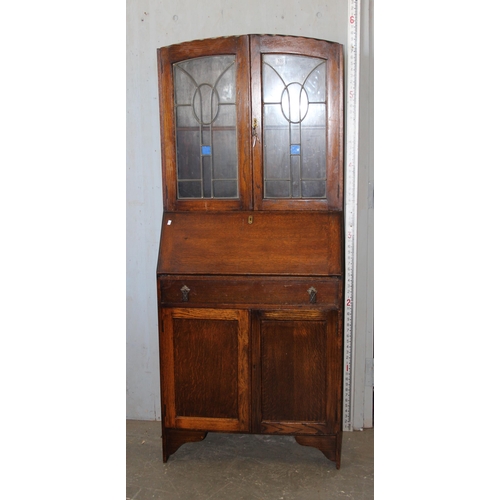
167 136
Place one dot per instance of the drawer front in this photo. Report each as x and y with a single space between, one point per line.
250 292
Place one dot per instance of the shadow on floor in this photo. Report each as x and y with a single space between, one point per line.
245 467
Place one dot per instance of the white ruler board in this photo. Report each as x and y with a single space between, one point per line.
351 201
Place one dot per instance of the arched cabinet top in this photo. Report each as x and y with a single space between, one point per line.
252 122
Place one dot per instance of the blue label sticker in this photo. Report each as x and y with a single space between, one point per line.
206 150
295 149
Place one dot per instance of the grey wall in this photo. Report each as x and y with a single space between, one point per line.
156 23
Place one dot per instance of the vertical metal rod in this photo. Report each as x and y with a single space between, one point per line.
202 185
212 119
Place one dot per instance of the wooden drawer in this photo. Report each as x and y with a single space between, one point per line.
249 292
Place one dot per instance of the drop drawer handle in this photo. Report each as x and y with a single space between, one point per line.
312 295
185 293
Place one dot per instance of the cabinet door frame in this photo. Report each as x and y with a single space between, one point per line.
332 53
167 56
170 417
333 402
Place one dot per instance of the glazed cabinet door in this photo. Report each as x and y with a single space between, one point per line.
296 378
205 124
252 122
205 368
297 116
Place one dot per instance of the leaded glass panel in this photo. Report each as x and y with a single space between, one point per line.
205 114
294 126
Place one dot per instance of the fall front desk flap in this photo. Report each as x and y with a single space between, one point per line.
251 243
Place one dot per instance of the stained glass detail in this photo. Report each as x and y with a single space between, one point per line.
294 126
205 124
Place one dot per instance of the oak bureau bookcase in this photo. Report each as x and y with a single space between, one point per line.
250 267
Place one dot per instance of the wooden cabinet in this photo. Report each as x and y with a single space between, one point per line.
250 267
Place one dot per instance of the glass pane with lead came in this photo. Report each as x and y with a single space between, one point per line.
294 126
206 127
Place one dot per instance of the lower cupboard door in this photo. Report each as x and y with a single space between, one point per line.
297 380
205 369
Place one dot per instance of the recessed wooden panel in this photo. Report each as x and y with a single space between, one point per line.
257 243
203 347
293 357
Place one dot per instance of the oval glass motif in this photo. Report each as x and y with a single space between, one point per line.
206 104
294 102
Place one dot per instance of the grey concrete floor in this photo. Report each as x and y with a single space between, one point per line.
245 467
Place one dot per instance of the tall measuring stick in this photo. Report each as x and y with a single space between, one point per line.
351 196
